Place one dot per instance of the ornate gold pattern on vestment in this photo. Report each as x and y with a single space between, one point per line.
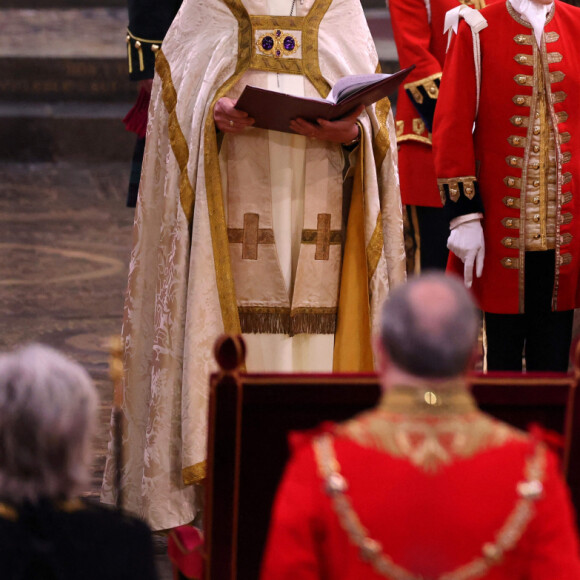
277 40
529 490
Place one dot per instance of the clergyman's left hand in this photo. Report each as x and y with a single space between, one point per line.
342 130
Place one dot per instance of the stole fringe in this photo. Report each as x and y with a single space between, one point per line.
273 320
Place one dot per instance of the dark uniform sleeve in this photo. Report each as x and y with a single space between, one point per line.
149 21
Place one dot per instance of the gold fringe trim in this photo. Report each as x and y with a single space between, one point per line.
176 137
194 473
313 321
282 320
264 320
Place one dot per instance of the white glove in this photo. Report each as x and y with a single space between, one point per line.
466 242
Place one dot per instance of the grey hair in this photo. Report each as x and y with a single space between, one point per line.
47 414
430 325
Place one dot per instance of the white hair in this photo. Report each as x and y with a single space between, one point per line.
47 413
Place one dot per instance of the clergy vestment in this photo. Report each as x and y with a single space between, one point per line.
424 487
246 233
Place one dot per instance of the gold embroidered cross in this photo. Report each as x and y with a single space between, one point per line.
322 236
251 236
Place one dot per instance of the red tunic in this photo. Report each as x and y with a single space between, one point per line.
418 32
433 489
510 62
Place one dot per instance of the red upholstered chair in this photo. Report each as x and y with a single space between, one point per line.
252 414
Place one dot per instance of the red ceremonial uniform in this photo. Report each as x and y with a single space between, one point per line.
491 166
417 491
418 33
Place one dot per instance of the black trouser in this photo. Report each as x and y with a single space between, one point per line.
545 335
433 234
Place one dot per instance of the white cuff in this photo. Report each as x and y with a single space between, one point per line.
463 219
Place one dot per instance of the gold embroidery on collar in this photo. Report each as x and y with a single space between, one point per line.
429 428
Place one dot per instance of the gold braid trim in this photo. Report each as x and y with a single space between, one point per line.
194 473
176 137
336 486
215 202
310 46
375 247
381 144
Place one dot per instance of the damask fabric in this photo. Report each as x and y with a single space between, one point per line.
186 285
440 490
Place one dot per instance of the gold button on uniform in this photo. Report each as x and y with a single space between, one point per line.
509 223
535 165
518 120
537 115
468 190
537 217
509 201
511 181
520 100
517 140
536 130
513 161
536 148
508 262
522 58
536 183
537 199
508 242
537 236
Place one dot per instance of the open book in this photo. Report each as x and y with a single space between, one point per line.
273 110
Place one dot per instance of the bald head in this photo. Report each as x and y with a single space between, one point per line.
429 326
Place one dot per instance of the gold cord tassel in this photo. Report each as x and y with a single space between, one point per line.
139 48
129 54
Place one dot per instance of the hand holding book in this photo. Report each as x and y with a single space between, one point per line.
343 130
276 111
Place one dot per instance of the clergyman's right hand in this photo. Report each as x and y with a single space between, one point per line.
467 243
228 119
